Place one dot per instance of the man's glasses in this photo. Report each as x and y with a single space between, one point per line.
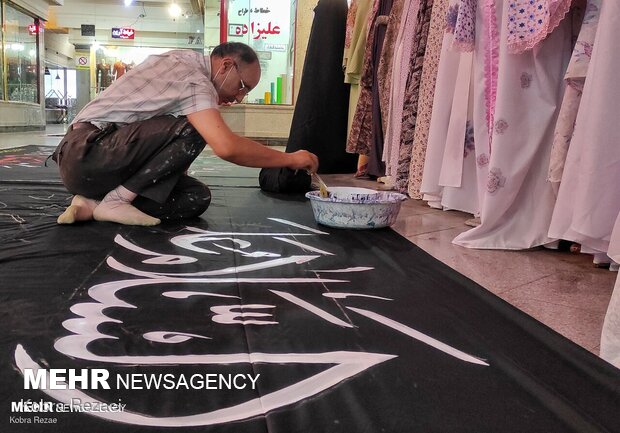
243 90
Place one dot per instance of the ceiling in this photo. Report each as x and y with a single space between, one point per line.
144 16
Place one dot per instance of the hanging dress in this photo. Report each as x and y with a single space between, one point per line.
384 70
449 175
525 61
427 91
355 42
412 94
589 197
366 137
575 78
400 72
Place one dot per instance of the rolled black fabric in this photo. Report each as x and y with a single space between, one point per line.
320 119
284 180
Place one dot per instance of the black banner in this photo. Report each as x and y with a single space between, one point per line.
253 318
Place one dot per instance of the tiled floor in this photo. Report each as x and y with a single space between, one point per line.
562 290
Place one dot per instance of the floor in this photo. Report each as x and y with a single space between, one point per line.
562 290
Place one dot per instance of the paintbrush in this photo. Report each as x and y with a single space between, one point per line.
323 191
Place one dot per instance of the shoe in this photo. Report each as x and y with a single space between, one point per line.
473 222
387 183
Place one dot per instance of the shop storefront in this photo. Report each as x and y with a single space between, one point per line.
20 70
269 28
90 44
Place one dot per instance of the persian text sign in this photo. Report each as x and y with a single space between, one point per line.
123 33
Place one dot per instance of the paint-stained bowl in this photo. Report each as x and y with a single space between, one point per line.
356 208
352 194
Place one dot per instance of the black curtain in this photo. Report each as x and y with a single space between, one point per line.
320 119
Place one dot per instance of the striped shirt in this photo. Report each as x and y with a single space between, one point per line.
177 82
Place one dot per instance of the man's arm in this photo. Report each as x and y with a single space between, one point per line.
243 151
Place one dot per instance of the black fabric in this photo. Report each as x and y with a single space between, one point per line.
535 380
17 164
284 180
320 119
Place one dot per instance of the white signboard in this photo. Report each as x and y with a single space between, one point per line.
82 61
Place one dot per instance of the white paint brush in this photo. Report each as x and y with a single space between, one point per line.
323 191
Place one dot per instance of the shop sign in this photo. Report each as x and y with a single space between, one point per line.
33 29
275 47
244 11
123 33
255 29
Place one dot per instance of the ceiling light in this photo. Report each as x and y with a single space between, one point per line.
175 10
128 2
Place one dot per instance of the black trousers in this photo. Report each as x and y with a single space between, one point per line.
148 158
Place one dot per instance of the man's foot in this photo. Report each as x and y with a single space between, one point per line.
116 207
80 209
123 213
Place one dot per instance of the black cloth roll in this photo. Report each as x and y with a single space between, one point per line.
284 180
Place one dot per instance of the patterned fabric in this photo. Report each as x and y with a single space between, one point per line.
530 21
350 24
465 27
452 16
412 93
400 74
354 52
384 72
177 82
360 137
575 78
495 180
580 60
427 93
469 145
514 197
376 165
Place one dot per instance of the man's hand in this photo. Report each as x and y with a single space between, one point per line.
304 160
